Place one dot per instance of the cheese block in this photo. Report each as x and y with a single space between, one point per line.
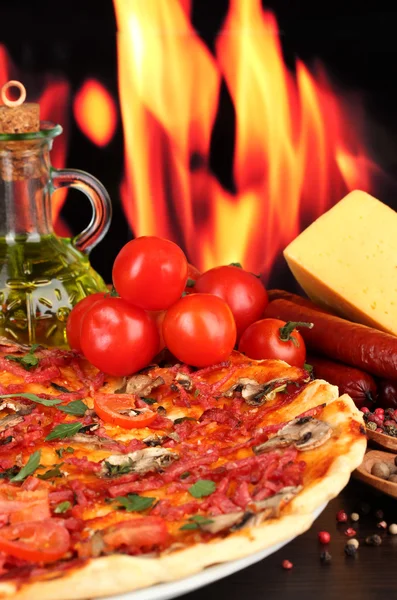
346 261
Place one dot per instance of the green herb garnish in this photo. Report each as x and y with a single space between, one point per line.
185 475
33 398
202 487
195 522
77 407
134 502
60 451
27 361
29 468
62 507
52 473
10 472
116 470
64 430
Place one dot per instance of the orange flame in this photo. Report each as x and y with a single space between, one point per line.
95 112
295 152
53 107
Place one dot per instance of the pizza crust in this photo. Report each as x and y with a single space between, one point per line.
117 574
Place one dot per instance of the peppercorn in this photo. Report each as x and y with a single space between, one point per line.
350 550
373 540
379 514
324 537
287 564
382 525
364 508
393 478
341 516
350 532
393 529
325 558
355 516
353 542
380 469
371 425
365 409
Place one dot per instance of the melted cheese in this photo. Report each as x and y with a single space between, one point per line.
347 261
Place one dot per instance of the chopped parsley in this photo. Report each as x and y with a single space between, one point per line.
134 502
60 451
62 507
64 430
27 361
195 522
29 468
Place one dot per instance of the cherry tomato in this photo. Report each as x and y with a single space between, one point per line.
73 325
158 317
242 291
118 338
272 338
119 409
192 275
200 330
150 272
137 533
36 541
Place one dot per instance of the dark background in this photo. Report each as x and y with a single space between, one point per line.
357 43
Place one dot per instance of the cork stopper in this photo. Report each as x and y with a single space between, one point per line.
15 115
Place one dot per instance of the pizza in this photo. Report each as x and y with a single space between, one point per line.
109 485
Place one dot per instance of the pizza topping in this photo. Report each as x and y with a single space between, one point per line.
202 487
64 430
10 421
305 433
184 381
135 502
19 504
140 461
35 541
140 534
275 503
142 385
30 467
27 361
14 405
215 524
255 393
120 409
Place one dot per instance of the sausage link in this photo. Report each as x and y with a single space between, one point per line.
300 300
360 386
357 345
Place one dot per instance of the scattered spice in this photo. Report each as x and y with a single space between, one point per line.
350 549
350 532
393 529
287 565
324 537
382 525
373 540
353 542
341 516
325 558
355 516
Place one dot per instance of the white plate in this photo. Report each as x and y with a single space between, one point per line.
165 591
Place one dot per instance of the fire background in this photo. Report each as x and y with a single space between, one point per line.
76 41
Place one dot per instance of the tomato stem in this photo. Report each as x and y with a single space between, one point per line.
286 330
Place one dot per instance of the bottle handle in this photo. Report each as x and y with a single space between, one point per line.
100 202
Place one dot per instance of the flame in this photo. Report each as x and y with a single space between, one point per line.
53 107
95 112
296 152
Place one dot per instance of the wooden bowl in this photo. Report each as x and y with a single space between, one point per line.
381 439
364 471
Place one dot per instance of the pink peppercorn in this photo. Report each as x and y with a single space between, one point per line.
341 516
379 411
378 419
324 537
379 430
350 532
389 423
287 564
365 409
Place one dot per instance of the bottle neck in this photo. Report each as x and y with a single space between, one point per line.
25 190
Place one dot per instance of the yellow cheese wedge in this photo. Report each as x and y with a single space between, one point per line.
347 261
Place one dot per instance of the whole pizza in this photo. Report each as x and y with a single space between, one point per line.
111 484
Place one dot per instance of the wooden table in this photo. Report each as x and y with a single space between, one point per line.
371 574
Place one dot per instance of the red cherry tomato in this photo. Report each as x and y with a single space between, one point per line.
192 275
118 338
119 409
158 317
200 330
242 291
36 541
147 533
73 325
272 338
150 272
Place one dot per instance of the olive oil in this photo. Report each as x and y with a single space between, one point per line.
41 282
